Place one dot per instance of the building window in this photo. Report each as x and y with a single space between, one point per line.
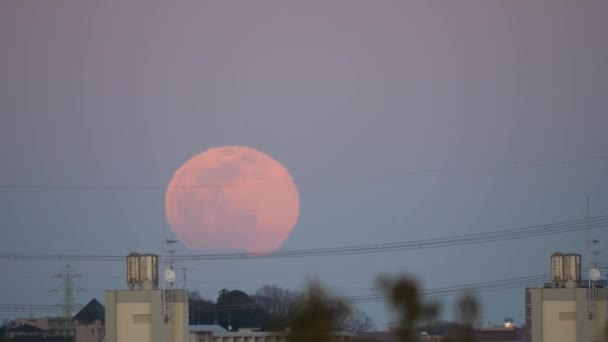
567 316
141 319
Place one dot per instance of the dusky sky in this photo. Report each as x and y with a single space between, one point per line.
351 96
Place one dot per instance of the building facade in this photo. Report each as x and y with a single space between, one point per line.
231 336
215 333
25 330
568 309
90 323
564 315
204 332
146 315
51 325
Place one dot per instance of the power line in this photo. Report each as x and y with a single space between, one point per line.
457 289
509 234
28 308
477 287
598 222
487 286
481 168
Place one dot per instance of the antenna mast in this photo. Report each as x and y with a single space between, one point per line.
168 293
588 245
589 292
184 269
171 244
593 273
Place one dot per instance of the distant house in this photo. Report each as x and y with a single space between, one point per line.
502 334
51 325
204 332
24 330
90 323
378 336
488 334
216 333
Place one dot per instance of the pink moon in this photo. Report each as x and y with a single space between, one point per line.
232 197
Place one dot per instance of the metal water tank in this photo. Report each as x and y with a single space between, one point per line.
557 267
572 268
142 271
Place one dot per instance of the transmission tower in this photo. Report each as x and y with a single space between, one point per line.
69 304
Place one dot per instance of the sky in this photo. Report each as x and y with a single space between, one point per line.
119 94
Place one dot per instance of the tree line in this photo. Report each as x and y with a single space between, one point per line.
270 308
319 313
314 314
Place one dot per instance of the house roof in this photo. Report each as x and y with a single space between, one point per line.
207 328
378 336
26 328
501 334
92 311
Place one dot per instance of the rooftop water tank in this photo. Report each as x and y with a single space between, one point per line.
142 271
572 268
557 267
565 268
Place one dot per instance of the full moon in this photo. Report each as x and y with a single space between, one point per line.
232 197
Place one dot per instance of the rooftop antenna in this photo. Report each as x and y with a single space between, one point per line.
163 238
589 300
184 269
171 244
588 243
170 280
594 273
169 276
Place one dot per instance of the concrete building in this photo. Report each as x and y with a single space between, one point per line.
51 325
231 336
90 323
25 330
145 313
379 336
216 333
146 316
568 309
204 332
562 315
502 334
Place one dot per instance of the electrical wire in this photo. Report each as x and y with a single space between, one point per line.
481 168
474 288
597 222
487 286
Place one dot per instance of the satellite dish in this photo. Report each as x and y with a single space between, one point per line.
169 276
594 274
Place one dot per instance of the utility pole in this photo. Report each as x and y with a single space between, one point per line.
69 301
